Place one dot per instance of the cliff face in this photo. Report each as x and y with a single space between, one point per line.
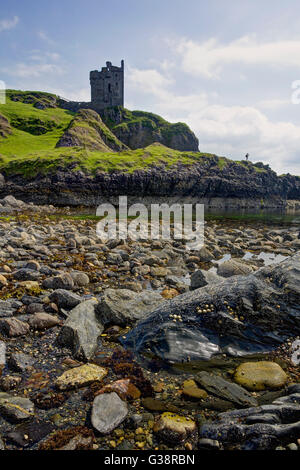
233 186
138 129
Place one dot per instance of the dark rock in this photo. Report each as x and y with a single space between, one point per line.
43 321
15 409
65 299
225 390
20 362
62 281
30 433
81 330
238 316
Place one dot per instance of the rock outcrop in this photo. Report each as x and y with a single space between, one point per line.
239 316
87 130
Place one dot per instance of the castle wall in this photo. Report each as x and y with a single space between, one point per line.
107 86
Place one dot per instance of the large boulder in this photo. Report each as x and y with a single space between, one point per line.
81 330
239 316
124 307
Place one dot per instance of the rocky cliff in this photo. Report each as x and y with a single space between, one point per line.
234 185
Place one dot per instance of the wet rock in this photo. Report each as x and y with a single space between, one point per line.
124 388
233 268
260 375
29 433
80 376
108 412
124 307
81 330
225 390
205 255
154 404
62 281
21 362
43 321
13 327
239 316
15 409
175 429
251 428
191 390
65 299
201 278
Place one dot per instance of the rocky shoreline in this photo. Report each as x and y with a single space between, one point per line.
233 186
146 345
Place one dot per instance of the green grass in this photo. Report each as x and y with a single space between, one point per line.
47 161
20 142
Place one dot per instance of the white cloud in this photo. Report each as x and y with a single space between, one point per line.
231 131
8 24
208 58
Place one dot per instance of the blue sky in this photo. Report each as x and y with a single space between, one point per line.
224 67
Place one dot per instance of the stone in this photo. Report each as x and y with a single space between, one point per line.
158 271
2 355
174 429
43 321
201 278
124 388
257 428
10 382
24 274
3 281
80 376
80 279
13 327
30 432
233 267
62 281
15 409
205 255
33 265
108 412
65 299
81 330
237 317
208 444
21 362
123 307
2 446
260 375
225 390
191 390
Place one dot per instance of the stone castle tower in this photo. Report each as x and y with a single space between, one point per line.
107 86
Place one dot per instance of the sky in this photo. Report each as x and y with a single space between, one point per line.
229 69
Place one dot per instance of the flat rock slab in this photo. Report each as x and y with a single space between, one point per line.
124 307
108 412
80 376
239 316
15 409
20 362
260 375
174 428
224 389
81 330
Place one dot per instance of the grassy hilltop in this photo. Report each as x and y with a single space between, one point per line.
37 136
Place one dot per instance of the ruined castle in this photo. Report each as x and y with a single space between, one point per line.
107 90
107 86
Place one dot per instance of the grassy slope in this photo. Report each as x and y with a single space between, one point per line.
28 154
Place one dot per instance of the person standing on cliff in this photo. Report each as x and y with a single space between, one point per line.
247 156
